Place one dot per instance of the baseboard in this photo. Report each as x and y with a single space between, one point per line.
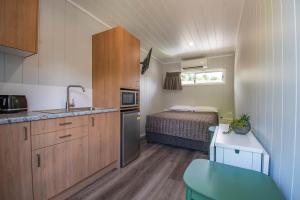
81 185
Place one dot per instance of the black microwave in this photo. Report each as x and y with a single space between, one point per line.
129 98
13 103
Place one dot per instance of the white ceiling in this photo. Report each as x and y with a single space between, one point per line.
169 26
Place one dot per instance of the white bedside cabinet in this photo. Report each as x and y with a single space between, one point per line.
243 151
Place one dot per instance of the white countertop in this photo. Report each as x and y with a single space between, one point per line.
232 140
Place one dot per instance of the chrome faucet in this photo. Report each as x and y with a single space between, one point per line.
68 104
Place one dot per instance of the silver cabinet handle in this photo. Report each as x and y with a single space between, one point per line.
65 136
38 160
25 133
65 124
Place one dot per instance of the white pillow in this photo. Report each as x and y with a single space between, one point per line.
182 108
204 109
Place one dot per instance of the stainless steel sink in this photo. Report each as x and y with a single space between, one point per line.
83 109
58 111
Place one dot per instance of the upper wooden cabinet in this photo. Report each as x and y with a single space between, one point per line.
130 69
18 26
15 162
116 57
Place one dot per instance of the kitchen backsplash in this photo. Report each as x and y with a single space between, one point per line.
41 97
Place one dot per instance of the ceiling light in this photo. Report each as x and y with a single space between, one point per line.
191 44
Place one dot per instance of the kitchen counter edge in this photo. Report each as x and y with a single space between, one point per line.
36 115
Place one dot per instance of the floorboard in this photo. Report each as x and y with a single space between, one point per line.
155 175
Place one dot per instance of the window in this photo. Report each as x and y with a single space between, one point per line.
205 77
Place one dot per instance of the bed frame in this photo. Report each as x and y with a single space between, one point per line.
177 141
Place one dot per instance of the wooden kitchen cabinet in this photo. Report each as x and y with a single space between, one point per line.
58 167
116 64
18 26
46 158
58 124
130 71
15 162
104 140
106 63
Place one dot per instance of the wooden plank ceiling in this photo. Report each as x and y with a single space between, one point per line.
175 28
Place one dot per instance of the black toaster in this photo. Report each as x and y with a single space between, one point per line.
13 103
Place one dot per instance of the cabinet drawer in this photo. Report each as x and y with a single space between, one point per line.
238 158
51 125
49 139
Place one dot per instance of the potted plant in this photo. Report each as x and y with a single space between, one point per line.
241 125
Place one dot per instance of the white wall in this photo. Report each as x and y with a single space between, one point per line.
64 58
150 91
267 84
220 96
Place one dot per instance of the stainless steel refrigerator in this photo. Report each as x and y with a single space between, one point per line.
130 136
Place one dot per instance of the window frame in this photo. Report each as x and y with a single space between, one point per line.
203 71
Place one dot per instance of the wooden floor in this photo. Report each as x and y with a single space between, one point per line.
155 175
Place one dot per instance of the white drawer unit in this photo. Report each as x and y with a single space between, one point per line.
243 151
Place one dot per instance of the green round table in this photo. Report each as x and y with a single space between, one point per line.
210 180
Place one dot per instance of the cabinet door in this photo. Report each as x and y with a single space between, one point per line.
104 134
18 24
136 64
109 140
106 68
58 167
15 162
131 66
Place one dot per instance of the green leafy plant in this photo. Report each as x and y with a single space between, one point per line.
241 122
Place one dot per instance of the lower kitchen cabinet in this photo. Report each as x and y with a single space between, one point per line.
15 162
43 159
58 167
104 137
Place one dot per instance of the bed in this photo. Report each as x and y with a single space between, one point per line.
182 128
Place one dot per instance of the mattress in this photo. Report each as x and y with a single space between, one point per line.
189 125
